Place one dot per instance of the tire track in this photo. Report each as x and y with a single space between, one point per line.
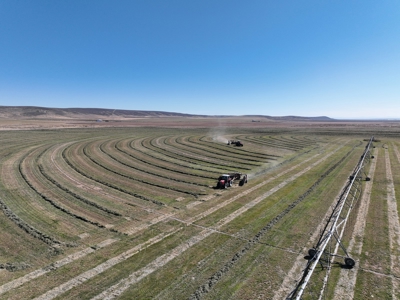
347 279
394 227
397 153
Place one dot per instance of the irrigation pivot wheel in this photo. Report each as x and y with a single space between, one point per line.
349 262
312 252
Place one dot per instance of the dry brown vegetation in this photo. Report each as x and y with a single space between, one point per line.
127 208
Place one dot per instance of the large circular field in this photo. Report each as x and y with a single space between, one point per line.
134 213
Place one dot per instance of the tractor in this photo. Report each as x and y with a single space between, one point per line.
235 142
227 180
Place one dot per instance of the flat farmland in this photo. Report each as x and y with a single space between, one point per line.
132 212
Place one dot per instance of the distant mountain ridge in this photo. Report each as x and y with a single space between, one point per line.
74 113
36 112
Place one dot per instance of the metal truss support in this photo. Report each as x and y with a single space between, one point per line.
336 224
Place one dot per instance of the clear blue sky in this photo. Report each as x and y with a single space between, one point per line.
221 57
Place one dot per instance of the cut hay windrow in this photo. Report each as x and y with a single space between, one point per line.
147 162
136 195
195 159
292 141
274 143
218 156
176 161
55 203
236 150
51 241
303 140
85 151
76 196
142 170
222 154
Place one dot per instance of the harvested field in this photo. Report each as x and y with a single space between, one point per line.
132 212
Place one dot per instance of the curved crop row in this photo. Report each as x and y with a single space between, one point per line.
148 172
222 154
137 179
193 160
158 165
285 142
240 150
292 140
274 142
304 140
168 161
54 243
108 184
220 157
51 241
76 196
54 203
12 267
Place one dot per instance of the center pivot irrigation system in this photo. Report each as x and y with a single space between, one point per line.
334 228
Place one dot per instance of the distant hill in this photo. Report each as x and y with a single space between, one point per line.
29 112
35 112
295 118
